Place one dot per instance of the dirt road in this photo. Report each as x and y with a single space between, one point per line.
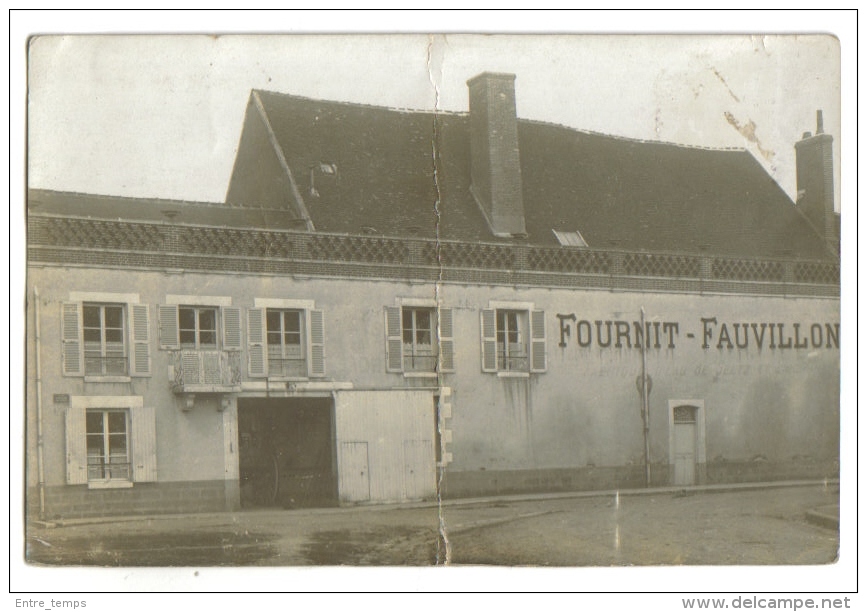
765 526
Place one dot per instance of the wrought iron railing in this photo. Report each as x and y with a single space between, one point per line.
287 367
215 368
419 363
165 242
100 469
98 365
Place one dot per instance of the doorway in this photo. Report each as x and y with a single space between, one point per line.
684 445
286 452
686 442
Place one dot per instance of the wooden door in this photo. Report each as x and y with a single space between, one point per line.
419 469
353 472
684 445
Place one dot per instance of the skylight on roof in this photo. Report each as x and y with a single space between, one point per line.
573 239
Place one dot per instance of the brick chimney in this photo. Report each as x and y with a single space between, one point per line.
495 162
815 169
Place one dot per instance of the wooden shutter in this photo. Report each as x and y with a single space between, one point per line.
446 341
76 445
393 340
143 437
140 358
72 348
231 328
168 315
489 340
316 363
538 345
256 354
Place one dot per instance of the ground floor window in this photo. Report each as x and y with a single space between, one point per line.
107 445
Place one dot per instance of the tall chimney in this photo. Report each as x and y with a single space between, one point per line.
495 164
815 169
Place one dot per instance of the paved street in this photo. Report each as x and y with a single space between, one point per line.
759 526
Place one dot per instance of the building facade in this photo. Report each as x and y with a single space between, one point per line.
397 306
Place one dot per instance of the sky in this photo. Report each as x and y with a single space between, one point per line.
161 115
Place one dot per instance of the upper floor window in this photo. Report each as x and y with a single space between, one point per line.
419 349
192 327
412 340
512 353
285 335
513 340
197 327
105 339
285 339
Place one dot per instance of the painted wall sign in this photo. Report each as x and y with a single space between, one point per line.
709 331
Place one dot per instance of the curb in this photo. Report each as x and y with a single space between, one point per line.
470 501
826 516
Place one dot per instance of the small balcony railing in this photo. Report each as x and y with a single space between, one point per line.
206 371
98 365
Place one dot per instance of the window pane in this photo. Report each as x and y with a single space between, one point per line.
293 338
90 315
94 446
273 320
208 319
407 336
501 321
292 321
92 335
188 337
94 422
114 335
116 422
274 338
423 319
423 336
512 325
117 446
114 316
186 318
208 338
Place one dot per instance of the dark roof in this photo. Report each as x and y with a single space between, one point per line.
175 212
619 193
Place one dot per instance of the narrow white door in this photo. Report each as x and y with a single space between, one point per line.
353 472
684 445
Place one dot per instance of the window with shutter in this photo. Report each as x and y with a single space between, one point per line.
489 340
538 354
110 441
258 364
144 443
393 341
76 445
446 341
140 360
231 328
71 338
168 315
317 343
513 339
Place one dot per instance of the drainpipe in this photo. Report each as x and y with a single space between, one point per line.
645 401
39 442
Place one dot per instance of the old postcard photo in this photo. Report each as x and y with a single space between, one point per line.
433 299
